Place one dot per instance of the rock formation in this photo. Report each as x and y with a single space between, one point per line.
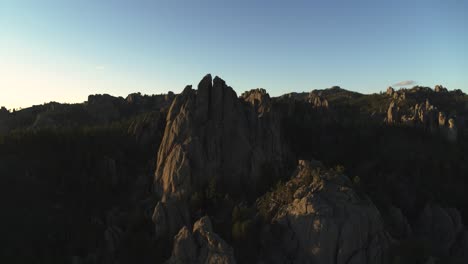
390 91
424 114
452 132
113 237
140 102
399 95
440 89
324 221
398 227
441 228
4 116
103 107
211 135
148 128
4 113
259 99
318 102
201 245
168 217
392 113
442 119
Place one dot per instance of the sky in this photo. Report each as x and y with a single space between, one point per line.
64 50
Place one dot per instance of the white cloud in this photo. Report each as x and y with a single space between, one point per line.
405 83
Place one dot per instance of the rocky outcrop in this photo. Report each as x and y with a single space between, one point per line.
398 225
425 115
103 107
442 119
201 245
43 121
4 113
259 99
318 102
399 95
168 217
440 89
113 238
213 135
148 128
390 91
452 132
323 221
392 113
295 96
141 102
4 116
442 229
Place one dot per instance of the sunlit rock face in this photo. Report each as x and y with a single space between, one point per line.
200 245
325 221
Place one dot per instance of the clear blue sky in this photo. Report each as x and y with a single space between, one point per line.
64 50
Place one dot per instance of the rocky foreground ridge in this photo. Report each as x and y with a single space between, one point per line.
207 176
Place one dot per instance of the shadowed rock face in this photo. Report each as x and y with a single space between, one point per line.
201 245
326 222
211 134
